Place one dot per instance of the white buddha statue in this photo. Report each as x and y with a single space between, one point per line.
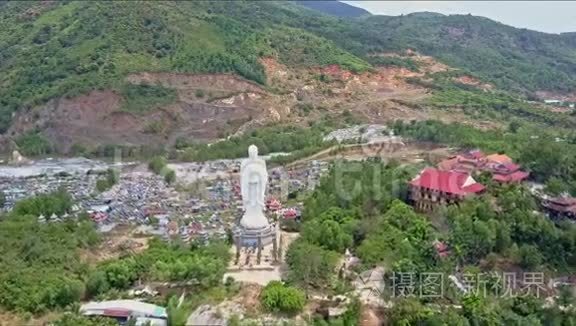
253 182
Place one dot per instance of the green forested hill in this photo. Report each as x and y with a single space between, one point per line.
52 49
63 49
512 58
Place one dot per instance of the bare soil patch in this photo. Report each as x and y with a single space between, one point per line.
213 106
121 240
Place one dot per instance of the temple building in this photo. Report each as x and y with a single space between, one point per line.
434 187
466 162
273 204
503 169
560 207
501 166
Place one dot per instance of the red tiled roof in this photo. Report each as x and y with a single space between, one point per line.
273 204
564 201
562 207
512 177
464 168
474 154
500 177
477 154
506 168
446 181
519 176
474 188
512 166
466 162
290 213
448 164
499 158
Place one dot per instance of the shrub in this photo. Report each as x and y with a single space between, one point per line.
170 176
32 144
58 202
101 185
156 164
110 179
277 296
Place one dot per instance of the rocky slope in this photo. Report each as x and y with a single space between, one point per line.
212 106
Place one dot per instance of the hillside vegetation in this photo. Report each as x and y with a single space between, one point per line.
43 269
54 49
48 50
512 58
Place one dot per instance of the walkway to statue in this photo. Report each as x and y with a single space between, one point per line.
266 271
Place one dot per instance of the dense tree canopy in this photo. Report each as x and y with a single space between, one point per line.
57 203
42 269
310 265
163 262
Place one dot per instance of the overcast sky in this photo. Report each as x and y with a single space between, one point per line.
545 16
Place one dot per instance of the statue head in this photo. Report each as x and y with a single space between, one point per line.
253 152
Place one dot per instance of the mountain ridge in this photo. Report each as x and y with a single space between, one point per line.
60 50
334 8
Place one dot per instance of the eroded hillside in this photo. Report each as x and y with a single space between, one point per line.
211 106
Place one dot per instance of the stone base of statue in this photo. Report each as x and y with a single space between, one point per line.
254 237
253 243
247 268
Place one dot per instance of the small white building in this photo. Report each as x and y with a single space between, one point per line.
124 310
552 101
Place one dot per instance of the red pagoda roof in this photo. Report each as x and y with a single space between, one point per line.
512 166
290 213
447 181
273 204
564 201
512 177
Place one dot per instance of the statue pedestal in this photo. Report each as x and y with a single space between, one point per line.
256 239
246 269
